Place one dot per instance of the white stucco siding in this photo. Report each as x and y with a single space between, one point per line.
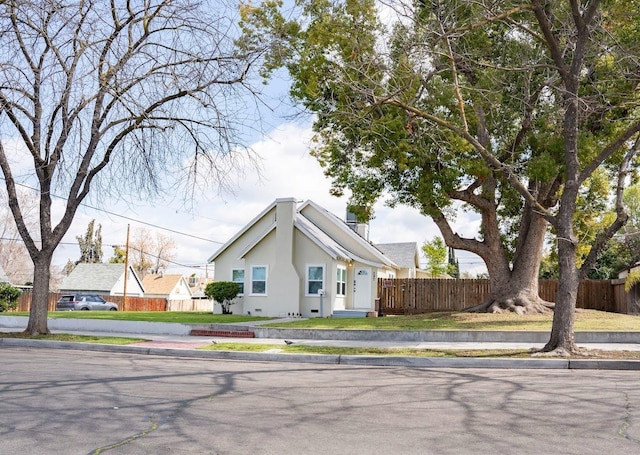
262 255
307 253
231 259
133 286
180 291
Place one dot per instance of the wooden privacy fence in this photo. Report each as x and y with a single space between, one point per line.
133 303
422 295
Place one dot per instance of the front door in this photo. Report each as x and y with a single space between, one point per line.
362 289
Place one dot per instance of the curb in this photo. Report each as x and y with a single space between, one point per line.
380 361
451 336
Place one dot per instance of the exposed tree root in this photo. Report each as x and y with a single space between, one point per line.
518 304
31 333
559 352
559 346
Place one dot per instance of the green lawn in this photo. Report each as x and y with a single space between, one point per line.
189 317
76 338
586 320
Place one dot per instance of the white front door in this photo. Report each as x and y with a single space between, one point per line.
362 289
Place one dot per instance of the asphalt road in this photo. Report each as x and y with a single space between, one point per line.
78 402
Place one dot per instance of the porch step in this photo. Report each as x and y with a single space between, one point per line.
222 333
350 313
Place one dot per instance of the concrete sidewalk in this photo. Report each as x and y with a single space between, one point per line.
174 340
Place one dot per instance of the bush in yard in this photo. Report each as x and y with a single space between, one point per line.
223 292
8 297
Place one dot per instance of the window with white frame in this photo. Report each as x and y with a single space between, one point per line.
259 280
315 279
341 281
237 276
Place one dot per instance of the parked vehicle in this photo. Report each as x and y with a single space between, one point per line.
84 302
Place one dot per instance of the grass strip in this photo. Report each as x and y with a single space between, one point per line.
586 320
74 338
181 317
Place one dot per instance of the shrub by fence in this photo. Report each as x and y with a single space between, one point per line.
422 295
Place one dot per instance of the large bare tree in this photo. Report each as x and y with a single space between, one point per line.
150 252
14 257
101 97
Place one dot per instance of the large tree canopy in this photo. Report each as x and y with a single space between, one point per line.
503 108
114 96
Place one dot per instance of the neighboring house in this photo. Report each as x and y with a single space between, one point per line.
407 256
103 279
197 285
303 260
171 287
3 276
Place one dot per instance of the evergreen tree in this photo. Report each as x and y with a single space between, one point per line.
90 245
454 266
68 268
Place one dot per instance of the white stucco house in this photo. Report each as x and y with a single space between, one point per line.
298 258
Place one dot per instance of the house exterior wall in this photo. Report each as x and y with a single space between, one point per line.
230 259
284 276
405 272
133 286
308 254
376 272
181 291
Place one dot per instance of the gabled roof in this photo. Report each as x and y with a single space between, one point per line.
340 224
95 277
405 254
241 232
322 239
162 284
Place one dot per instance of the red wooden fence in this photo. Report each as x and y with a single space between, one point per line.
133 303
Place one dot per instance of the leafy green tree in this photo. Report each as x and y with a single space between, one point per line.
502 108
8 297
436 253
223 293
620 252
119 255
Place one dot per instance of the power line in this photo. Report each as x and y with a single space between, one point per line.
126 217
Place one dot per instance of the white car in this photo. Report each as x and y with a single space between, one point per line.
84 302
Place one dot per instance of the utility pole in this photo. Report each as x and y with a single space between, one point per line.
126 271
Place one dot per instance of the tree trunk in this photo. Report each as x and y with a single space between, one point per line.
516 289
37 324
562 340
